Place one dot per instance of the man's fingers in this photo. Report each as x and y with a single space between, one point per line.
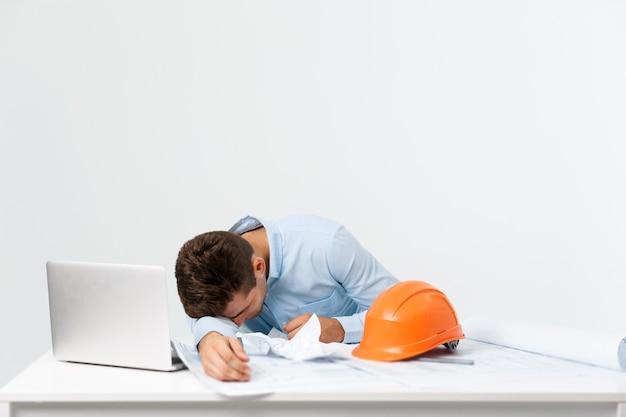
225 372
238 350
292 327
224 359
331 329
296 322
227 367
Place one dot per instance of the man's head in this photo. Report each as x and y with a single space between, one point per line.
210 269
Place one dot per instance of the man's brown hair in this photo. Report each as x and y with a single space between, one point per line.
210 269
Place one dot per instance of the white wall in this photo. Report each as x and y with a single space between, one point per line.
477 145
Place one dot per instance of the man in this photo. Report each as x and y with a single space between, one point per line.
263 274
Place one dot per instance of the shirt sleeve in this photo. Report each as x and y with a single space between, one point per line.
200 327
361 275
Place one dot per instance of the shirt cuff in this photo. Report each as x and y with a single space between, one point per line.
353 326
200 327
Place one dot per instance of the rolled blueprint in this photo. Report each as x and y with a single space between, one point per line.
604 349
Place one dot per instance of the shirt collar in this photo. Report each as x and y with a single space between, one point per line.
275 241
274 238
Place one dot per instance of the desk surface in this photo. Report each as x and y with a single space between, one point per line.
49 387
48 380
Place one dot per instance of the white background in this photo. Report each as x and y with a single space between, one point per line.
477 145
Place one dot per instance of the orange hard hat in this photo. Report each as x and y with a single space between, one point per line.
408 319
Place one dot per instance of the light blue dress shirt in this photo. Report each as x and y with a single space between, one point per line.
316 266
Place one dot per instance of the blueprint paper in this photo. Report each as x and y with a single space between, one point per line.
277 374
604 349
495 366
503 354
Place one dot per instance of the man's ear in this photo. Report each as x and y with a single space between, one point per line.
258 265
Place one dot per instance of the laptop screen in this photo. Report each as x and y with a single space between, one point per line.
109 314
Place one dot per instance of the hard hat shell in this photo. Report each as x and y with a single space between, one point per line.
405 320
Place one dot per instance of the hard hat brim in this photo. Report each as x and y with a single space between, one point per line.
398 353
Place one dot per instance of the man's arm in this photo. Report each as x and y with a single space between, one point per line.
222 355
202 326
362 276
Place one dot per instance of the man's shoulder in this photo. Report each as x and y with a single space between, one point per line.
308 223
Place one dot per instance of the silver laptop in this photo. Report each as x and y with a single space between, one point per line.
110 314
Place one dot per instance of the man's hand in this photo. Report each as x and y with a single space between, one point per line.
332 330
223 358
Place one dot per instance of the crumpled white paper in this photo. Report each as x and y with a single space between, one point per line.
304 345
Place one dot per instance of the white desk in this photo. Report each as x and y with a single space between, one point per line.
53 388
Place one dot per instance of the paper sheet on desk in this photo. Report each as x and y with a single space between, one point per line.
494 366
279 364
305 344
277 374
604 349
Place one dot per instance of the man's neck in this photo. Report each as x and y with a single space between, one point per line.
260 244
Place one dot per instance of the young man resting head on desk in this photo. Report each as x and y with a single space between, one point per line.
264 274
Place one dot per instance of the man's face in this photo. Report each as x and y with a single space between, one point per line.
245 307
